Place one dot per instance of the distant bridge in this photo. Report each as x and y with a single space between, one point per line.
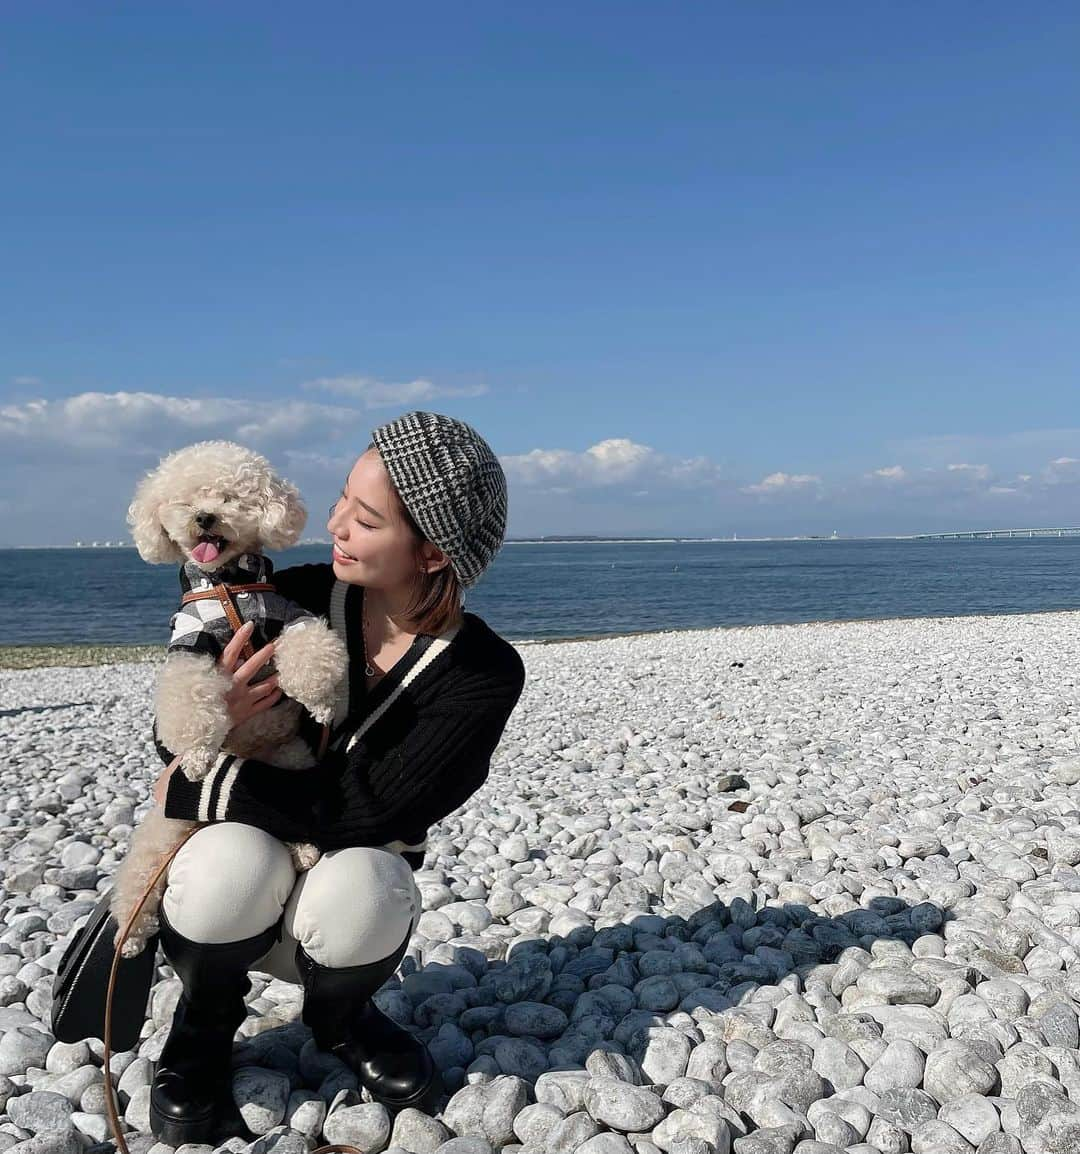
990 534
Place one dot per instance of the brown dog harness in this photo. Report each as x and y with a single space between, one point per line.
223 593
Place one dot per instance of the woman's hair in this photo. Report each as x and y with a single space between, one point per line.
437 597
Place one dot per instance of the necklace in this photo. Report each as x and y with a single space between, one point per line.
369 670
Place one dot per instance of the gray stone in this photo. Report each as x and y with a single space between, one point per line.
622 1106
972 1116
467 1144
682 1125
51 1142
570 1132
936 1137
564 1089
837 1062
41 1110
900 1066
366 1126
413 1130
957 1069
906 1108
261 1096
1000 1144
137 1112
22 1047
1059 1026
1022 1064
533 1123
665 1055
487 1110
608 1143
537 1019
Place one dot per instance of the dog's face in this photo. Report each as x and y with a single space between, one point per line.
211 526
211 502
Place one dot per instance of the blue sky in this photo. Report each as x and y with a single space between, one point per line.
690 268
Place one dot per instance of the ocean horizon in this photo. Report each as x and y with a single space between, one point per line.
580 590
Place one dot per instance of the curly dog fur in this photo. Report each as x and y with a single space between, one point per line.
206 507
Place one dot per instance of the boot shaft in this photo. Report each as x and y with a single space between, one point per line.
335 997
215 980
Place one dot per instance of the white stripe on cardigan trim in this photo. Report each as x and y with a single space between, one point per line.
226 789
208 787
433 650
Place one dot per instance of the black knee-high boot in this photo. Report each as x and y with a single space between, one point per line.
191 1093
389 1060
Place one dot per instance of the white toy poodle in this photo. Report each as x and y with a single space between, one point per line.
214 507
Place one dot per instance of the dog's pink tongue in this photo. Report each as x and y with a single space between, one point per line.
205 551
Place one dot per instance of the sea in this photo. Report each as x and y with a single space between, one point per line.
543 591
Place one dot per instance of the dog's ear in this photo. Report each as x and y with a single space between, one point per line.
155 546
284 517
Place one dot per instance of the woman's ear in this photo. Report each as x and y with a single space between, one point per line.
434 558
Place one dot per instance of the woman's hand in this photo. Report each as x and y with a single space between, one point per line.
244 700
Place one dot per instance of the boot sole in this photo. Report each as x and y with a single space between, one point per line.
424 1099
174 1132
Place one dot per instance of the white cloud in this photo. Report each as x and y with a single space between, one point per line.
78 458
26 381
977 472
1061 470
144 423
782 482
890 473
609 463
377 394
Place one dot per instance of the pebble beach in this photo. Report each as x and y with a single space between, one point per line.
801 889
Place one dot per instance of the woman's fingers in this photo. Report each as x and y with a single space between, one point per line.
230 655
254 663
262 688
266 702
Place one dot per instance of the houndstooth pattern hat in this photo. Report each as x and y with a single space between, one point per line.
452 484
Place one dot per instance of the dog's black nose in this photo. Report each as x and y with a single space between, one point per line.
205 520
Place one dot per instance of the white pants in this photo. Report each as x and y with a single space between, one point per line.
230 881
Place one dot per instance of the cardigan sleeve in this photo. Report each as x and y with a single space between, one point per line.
279 801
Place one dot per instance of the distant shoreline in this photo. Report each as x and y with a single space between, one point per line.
571 541
937 537
72 655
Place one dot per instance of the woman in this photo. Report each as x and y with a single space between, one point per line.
421 516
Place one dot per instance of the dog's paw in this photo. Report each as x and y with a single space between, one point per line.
304 856
133 946
197 762
323 713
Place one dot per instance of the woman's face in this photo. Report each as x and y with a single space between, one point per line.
365 525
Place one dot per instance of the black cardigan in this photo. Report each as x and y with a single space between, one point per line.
421 760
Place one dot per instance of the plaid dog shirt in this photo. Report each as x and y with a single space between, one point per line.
202 627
